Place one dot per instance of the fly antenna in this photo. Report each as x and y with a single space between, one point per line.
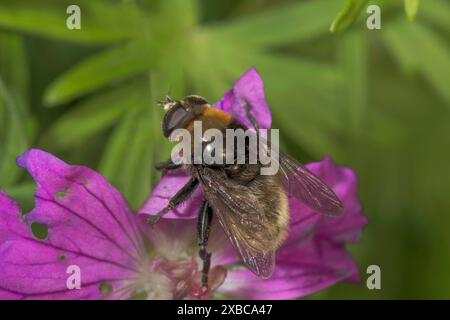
167 103
162 103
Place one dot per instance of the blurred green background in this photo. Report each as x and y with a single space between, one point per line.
375 100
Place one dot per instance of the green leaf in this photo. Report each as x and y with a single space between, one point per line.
287 24
352 57
14 73
418 48
349 13
13 138
411 8
112 158
15 121
138 162
95 115
128 159
101 21
105 68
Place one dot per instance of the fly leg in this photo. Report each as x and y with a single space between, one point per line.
183 194
203 230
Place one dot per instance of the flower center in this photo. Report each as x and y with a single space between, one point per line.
176 279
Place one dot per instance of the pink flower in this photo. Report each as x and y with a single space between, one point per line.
91 228
313 257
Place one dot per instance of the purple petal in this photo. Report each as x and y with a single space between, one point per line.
344 182
299 272
89 225
249 89
165 190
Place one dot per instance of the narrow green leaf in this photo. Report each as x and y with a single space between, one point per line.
349 13
128 158
138 165
116 148
101 21
105 68
411 8
287 24
15 120
352 58
418 48
13 140
94 115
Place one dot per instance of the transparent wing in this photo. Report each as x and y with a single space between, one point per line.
301 183
308 188
245 223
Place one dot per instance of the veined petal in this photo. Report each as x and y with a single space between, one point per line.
344 182
89 227
169 185
300 272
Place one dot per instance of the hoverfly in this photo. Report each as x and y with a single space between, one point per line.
251 208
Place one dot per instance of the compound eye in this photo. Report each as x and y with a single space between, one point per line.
173 118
